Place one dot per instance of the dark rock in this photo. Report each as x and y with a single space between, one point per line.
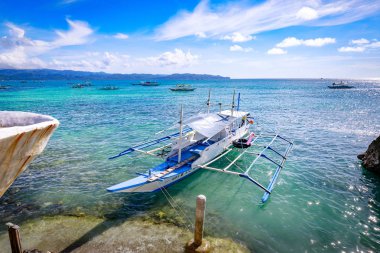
32 251
371 158
361 156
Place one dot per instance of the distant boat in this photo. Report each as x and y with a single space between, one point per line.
109 88
182 87
86 84
340 85
81 85
77 86
150 83
4 87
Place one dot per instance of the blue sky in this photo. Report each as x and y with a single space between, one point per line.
240 39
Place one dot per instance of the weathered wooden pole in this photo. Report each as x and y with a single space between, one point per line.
199 219
14 238
198 244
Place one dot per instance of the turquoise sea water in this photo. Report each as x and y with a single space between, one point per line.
323 201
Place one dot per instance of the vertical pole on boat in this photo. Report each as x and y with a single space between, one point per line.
14 238
233 104
180 135
238 106
208 101
220 107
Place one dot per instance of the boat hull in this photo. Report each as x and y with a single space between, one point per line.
174 89
23 136
208 152
145 186
340 87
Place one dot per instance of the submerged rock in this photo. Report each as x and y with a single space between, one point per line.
90 234
371 158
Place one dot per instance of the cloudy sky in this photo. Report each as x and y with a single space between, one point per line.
240 39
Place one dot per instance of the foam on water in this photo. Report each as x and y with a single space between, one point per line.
323 201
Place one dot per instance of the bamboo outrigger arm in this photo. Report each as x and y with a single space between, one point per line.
149 143
279 165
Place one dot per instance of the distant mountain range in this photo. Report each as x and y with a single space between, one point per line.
51 74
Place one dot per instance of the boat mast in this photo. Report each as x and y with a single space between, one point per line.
208 101
180 135
233 104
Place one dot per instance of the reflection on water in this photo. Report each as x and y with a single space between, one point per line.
323 201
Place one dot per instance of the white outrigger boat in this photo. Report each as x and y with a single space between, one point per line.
201 141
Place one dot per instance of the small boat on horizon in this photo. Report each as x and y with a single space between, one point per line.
4 87
109 88
150 83
182 87
86 84
77 86
146 83
340 85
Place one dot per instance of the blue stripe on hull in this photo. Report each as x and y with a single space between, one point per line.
142 179
171 183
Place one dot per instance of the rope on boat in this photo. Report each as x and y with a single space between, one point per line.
180 211
235 165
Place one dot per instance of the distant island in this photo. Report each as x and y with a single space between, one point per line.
51 74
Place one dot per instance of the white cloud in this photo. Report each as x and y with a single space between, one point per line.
76 35
351 49
276 51
318 42
121 36
15 31
20 51
92 61
363 45
307 13
375 44
200 35
251 18
176 58
238 37
236 48
360 41
290 42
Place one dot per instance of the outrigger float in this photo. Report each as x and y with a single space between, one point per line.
203 140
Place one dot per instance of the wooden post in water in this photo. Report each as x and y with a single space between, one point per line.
199 219
14 238
198 244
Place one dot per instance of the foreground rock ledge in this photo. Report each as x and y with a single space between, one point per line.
95 235
371 158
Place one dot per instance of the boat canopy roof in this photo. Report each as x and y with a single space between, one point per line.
211 124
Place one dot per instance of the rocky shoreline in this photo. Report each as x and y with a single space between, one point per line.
92 234
371 158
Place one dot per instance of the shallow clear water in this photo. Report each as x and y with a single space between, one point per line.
323 201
